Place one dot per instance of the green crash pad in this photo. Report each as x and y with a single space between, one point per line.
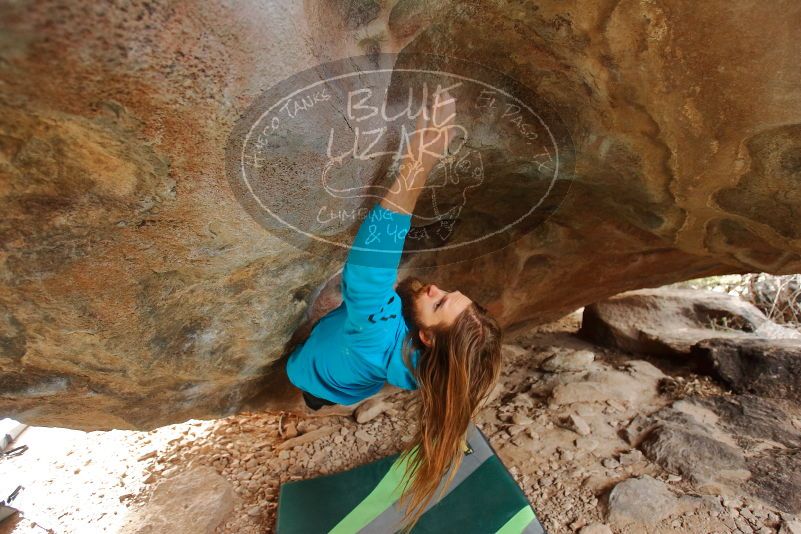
482 498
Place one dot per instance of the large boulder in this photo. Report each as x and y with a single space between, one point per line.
765 367
196 501
776 479
668 321
755 421
645 501
694 454
734 444
135 290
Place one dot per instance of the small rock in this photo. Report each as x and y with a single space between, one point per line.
773 518
523 400
520 440
790 527
146 456
568 361
577 524
631 457
170 472
515 429
578 424
743 525
732 503
305 438
610 463
586 444
291 430
364 436
596 528
642 500
196 500
521 419
615 405
370 409
637 429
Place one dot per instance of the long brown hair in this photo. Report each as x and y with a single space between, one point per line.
455 375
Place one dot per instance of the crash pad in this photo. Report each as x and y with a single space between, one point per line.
482 497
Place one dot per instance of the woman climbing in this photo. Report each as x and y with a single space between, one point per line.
419 336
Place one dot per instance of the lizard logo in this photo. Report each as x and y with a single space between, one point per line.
314 152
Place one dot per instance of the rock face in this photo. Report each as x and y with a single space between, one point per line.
134 289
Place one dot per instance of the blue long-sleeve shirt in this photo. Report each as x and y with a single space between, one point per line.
354 349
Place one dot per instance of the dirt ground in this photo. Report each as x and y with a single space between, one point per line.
77 482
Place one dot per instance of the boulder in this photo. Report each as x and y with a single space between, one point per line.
137 291
685 440
691 452
645 501
765 367
669 321
738 444
754 420
196 501
776 478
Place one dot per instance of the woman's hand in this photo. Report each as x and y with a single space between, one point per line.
429 143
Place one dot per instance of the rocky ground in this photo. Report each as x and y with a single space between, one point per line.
599 439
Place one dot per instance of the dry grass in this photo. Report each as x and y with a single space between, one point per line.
778 297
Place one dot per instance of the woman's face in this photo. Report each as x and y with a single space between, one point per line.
431 306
